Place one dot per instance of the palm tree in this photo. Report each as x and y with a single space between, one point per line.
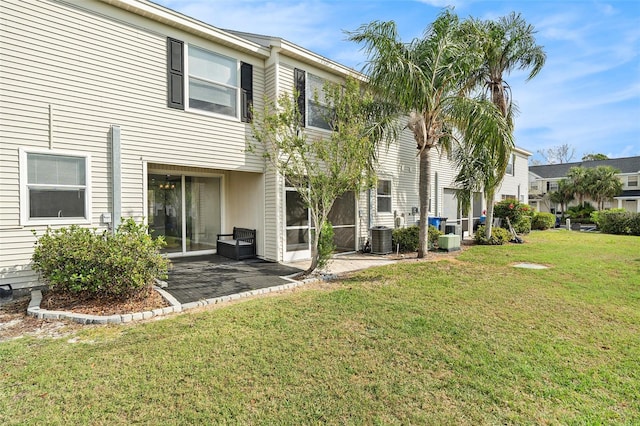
580 180
563 196
424 79
507 44
605 184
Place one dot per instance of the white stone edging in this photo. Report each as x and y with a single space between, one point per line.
34 309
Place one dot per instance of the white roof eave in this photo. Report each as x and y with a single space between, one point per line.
177 20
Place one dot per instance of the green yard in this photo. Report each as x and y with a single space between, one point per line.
467 341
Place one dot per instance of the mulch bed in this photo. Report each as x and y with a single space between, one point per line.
144 301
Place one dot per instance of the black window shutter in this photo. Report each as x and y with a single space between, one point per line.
175 73
300 82
246 87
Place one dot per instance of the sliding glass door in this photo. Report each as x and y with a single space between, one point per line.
185 210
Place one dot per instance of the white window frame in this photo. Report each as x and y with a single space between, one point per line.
635 185
25 219
187 75
310 98
512 165
389 196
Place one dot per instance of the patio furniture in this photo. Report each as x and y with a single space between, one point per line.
239 245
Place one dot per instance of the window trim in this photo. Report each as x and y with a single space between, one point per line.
308 89
24 189
187 77
512 163
390 197
636 183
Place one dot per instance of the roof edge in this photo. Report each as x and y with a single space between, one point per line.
302 54
167 16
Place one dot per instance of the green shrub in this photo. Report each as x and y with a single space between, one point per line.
582 212
409 238
499 236
523 226
512 209
79 260
543 220
595 215
619 222
326 246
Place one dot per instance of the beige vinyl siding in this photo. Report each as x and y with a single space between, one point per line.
517 183
273 218
97 70
446 174
285 77
270 77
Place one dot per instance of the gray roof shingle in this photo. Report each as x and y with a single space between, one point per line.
550 171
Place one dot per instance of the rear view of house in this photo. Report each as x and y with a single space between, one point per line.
124 108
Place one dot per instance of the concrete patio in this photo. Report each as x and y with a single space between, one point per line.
207 277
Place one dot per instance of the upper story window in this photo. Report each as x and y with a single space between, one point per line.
54 187
318 110
214 83
511 165
384 196
312 102
632 181
552 186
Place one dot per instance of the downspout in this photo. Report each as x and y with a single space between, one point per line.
274 59
369 212
436 209
116 171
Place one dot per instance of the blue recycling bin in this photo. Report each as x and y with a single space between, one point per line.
435 221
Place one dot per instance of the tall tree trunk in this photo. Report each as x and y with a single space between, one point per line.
314 252
424 184
489 220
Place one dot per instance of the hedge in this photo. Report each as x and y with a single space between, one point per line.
79 260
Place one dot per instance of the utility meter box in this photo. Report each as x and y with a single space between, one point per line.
449 242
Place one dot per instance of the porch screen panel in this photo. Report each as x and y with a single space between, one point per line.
343 219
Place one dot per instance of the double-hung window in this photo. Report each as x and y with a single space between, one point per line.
319 113
384 196
632 181
312 103
54 187
213 82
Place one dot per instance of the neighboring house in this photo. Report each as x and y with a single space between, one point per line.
124 108
544 179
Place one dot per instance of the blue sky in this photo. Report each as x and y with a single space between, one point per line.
587 95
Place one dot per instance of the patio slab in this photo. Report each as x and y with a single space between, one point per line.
207 277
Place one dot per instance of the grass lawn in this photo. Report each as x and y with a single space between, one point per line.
465 341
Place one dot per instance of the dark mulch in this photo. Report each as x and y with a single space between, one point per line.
144 301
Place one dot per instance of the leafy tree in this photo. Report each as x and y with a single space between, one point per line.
425 79
321 170
604 184
558 154
564 195
594 157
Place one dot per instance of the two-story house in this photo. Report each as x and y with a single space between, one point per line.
124 108
544 180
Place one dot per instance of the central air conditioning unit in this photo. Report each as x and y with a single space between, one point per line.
381 240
